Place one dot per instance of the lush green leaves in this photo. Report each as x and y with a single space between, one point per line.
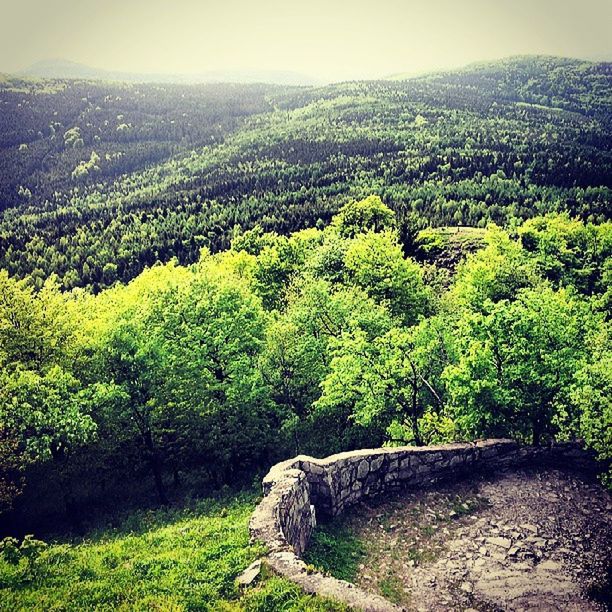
325 340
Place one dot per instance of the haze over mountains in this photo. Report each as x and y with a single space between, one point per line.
65 69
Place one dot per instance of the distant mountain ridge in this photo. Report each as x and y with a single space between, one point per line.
65 69
124 174
540 62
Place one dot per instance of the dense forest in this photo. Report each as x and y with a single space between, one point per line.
101 180
325 340
197 281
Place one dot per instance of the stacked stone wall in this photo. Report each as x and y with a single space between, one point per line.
300 489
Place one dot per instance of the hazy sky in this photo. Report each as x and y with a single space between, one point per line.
328 39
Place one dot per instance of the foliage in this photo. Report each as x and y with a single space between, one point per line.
568 252
516 363
369 214
44 410
171 559
590 401
28 551
317 342
495 142
375 263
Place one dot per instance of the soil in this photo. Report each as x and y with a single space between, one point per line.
526 540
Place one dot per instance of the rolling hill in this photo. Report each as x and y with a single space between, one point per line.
126 174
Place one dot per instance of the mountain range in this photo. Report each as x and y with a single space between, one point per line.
65 69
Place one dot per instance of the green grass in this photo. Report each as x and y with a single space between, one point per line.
334 549
278 594
391 588
167 559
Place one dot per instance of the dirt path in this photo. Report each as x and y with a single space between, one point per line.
538 540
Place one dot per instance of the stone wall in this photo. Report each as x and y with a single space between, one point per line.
297 490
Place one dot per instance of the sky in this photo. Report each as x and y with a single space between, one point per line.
325 39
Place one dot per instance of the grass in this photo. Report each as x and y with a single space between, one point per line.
166 559
392 588
462 507
334 549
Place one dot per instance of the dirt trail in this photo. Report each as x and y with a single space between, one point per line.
527 540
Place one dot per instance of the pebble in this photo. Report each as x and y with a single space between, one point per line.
501 542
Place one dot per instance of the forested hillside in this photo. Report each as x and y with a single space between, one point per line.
199 281
319 342
101 180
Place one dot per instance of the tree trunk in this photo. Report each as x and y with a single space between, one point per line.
537 432
415 415
159 482
156 468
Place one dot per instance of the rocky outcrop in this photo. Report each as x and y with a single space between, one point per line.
300 489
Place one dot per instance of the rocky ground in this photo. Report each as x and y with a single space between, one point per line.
527 540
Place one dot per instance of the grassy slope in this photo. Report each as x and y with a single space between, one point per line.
168 559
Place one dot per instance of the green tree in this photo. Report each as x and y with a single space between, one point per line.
569 252
517 364
494 273
375 263
369 214
44 411
391 379
589 409
297 357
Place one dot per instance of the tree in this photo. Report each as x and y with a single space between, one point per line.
494 273
126 362
369 214
517 364
211 331
47 412
44 412
390 379
297 357
375 263
109 273
178 368
569 252
588 411
132 359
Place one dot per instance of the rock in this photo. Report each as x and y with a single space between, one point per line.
363 469
529 527
550 565
501 542
250 574
467 587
